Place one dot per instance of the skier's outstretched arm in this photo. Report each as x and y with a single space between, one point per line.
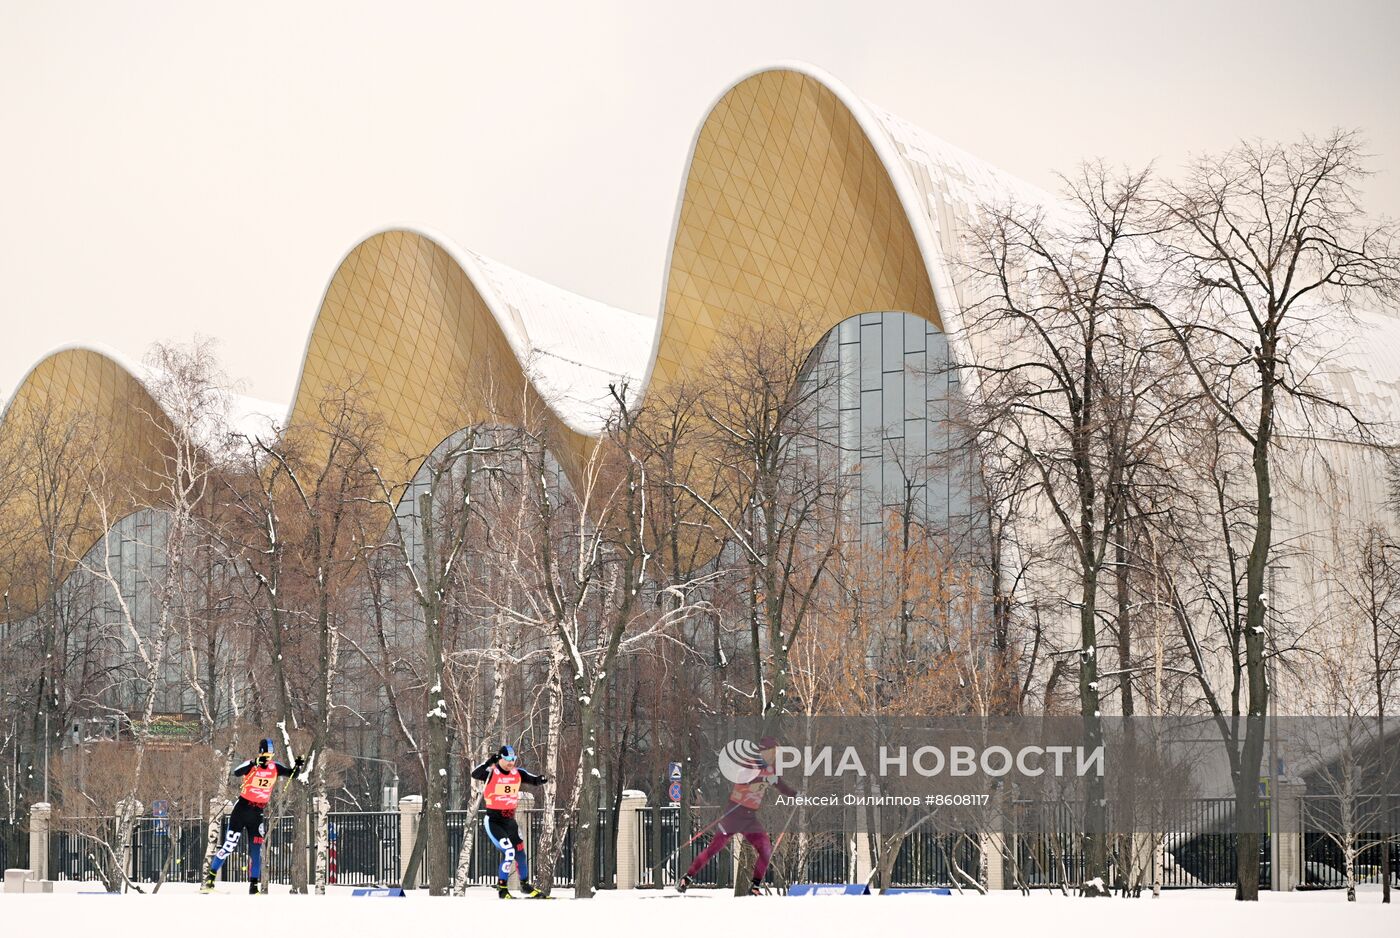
530 778
243 769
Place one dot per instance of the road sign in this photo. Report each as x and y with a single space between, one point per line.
674 772
674 792
160 810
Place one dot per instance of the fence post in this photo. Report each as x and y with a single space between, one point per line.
629 840
40 814
683 833
410 813
1289 792
865 863
993 840
993 844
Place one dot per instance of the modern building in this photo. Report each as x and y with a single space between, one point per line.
797 194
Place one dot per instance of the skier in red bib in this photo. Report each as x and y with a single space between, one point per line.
260 777
741 817
503 777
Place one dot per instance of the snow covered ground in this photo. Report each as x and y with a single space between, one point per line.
178 910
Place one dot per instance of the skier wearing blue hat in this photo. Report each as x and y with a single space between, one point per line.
503 777
260 777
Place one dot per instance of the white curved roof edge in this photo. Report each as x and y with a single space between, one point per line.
572 346
137 371
246 413
485 275
870 123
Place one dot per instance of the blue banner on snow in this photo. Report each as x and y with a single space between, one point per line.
828 889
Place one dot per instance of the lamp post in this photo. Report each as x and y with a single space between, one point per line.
392 799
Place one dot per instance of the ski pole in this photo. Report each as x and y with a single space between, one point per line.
698 834
778 843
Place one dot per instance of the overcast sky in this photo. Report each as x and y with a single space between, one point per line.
180 168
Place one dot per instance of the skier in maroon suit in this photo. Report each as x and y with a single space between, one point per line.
741 817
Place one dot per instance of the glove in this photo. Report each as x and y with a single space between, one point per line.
544 779
495 757
298 765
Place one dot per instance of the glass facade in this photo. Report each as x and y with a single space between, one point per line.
95 600
883 392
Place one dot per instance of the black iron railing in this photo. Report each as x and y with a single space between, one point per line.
366 847
717 872
484 866
1194 847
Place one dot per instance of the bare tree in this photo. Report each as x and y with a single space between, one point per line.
194 398
48 448
1340 736
1264 243
766 485
431 536
258 542
1369 581
148 640
1066 385
296 499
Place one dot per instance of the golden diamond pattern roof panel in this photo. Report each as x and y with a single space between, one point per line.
80 426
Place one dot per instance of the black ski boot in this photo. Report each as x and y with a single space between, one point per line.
529 891
757 888
682 884
253 888
503 890
208 885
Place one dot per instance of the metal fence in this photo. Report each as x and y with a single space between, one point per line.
1324 859
823 857
77 849
484 866
366 844
366 847
930 857
1048 844
162 850
1198 849
1044 842
717 872
14 845
168 850
173 850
